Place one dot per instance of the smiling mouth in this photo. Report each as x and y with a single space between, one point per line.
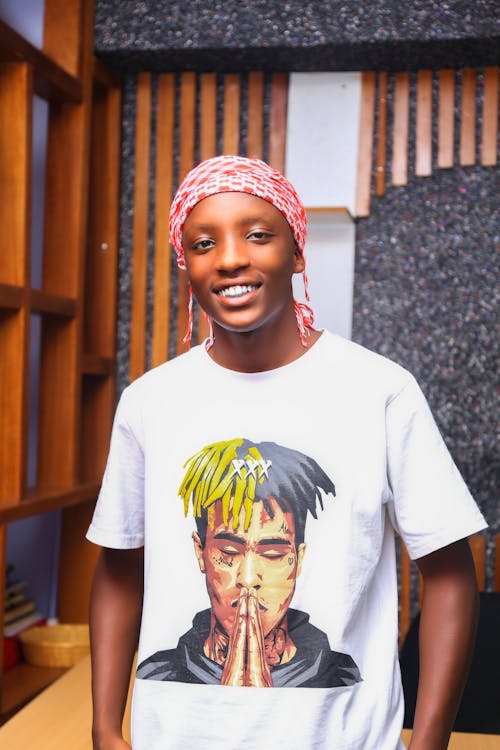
239 290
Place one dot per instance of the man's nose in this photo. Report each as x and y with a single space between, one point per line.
231 254
249 573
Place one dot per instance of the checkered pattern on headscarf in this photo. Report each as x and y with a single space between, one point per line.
238 174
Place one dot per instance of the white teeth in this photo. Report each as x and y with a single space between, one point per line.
236 291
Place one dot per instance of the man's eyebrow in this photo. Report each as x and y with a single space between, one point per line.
230 537
274 541
245 221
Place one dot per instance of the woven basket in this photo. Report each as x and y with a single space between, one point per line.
55 645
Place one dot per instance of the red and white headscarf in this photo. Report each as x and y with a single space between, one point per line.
237 174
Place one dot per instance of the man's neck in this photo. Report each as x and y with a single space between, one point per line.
259 350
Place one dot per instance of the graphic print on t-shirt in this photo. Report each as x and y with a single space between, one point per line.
250 502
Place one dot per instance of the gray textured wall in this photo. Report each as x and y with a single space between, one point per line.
293 35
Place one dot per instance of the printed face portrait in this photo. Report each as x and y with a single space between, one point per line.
264 559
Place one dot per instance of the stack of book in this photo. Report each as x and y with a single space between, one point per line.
19 613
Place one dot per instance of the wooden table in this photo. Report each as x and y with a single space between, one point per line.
60 719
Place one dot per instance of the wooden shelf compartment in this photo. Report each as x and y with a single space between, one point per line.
38 500
12 297
93 364
22 683
52 82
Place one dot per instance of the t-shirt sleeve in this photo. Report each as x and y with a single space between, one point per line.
118 520
432 506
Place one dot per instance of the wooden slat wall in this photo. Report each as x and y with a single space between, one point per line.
446 118
489 137
277 124
400 129
365 146
140 230
187 119
199 134
382 135
423 144
201 130
443 114
164 182
468 119
231 129
255 119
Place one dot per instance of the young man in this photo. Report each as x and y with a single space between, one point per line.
325 417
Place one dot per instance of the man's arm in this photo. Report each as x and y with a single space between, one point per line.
115 617
447 630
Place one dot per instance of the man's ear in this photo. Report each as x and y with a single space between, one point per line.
198 550
298 260
300 556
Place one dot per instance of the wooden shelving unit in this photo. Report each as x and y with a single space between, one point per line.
76 302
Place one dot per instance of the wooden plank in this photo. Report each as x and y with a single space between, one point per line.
16 97
63 33
208 115
11 297
255 115
79 555
93 364
99 334
104 77
163 198
365 144
423 146
231 123
40 500
186 162
16 88
52 304
478 549
23 682
400 129
63 271
468 118
277 121
446 118
137 362
208 148
489 135
51 81
381 135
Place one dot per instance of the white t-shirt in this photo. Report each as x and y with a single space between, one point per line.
363 425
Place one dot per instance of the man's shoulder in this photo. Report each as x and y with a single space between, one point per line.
359 365
169 373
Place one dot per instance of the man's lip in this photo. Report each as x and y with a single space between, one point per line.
228 285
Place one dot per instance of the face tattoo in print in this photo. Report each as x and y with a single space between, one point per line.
250 502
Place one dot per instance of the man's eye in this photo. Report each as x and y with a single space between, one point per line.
259 235
202 244
229 551
274 554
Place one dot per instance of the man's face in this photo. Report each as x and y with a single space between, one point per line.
264 558
240 257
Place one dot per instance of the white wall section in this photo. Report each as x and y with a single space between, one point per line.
322 137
